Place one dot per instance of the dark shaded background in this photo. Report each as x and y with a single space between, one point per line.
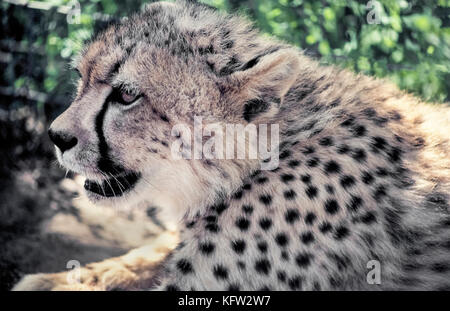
410 45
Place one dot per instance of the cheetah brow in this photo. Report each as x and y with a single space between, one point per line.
113 70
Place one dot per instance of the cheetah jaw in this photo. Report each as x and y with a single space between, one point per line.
115 186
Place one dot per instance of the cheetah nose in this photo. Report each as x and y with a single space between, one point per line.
62 140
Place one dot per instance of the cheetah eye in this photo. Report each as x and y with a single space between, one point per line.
125 97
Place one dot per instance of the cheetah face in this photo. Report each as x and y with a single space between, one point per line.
143 76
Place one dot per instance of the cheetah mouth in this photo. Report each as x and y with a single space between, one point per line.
115 186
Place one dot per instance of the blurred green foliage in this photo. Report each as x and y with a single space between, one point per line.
409 42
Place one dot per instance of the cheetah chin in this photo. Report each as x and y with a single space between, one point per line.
115 186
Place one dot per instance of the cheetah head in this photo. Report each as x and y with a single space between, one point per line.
151 71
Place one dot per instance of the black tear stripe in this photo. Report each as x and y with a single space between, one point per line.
105 163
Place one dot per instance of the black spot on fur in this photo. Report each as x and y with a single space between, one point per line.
354 204
310 218
184 266
335 282
248 209
347 181
263 266
380 121
307 237
238 195
282 239
294 163
265 199
220 272
308 150
303 260
311 192
238 246
367 178
343 149
289 194
332 167
243 223
369 218
295 283
262 246
326 141
212 227
313 162
394 154
369 112
329 188
292 215
325 227
265 224
378 143
281 275
359 155
233 288
241 265
348 122
284 154
211 218
207 248
342 262
358 130
341 233
306 178
331 206
219 208
262 180
287 178
380 192
191 224
382 172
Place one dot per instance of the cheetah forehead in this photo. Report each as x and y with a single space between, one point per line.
186 30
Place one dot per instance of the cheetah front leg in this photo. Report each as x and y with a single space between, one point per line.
133 271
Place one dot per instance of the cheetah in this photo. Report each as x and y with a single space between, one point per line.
363 173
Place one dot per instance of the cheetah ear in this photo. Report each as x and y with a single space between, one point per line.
265 80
